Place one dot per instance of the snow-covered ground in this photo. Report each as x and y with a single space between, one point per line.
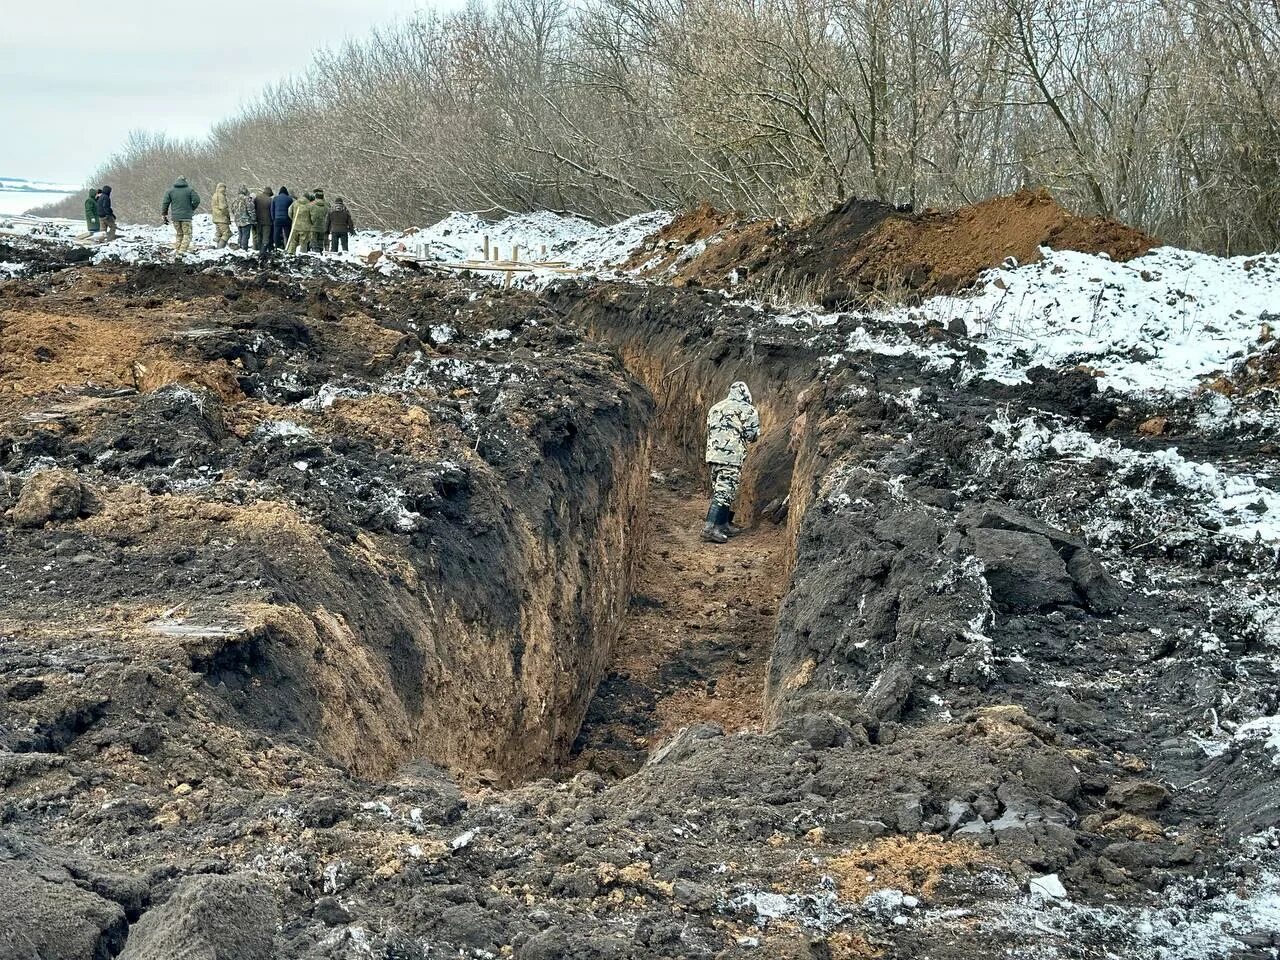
578 243
17 195
1158 323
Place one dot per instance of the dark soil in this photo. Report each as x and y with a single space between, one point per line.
308 585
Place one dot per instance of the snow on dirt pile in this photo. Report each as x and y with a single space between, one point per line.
1159 323
1217 498
864 249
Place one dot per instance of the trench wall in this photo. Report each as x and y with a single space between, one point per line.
384 658
687 348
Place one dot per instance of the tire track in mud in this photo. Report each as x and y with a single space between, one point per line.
698 635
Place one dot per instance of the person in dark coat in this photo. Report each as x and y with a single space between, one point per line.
280 204
106 214
262 226
91 221
180 202
340 224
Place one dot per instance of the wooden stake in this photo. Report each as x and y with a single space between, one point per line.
486 246
515 253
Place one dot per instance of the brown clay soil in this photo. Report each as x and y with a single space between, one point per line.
864 249
664 248
695 646
942 252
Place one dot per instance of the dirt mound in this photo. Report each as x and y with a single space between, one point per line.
681 239
943 252
864 247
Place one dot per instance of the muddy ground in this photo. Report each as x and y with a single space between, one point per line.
309 583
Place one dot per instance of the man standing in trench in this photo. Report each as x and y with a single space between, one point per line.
731 425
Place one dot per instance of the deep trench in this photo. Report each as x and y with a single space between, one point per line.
688 635
699 631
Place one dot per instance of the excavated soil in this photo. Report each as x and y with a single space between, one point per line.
309 584
695 645
864 249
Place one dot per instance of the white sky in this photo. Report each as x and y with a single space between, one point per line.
77 76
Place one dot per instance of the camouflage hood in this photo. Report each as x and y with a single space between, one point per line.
731 425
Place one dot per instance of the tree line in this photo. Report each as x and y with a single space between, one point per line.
1161 113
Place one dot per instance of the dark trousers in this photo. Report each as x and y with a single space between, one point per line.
244 237
280 233
261 235
335 238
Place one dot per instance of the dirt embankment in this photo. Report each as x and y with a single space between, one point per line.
924 566
864 249
381 526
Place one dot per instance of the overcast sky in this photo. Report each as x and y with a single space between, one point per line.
76 77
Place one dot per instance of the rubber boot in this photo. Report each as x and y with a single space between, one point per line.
711 532
729 528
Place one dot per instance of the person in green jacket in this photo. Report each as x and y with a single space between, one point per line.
91 221
180 202
300 235
319 218
221 215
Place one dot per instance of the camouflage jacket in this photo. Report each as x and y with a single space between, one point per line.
731 425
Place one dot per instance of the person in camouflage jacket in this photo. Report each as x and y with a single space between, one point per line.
221 208
319 221
301 233
732 423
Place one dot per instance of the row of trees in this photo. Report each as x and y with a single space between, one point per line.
1162 113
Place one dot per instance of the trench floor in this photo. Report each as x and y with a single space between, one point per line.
696 643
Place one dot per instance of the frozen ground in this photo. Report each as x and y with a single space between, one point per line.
1189 517
1158 323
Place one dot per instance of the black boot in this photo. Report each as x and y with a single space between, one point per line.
711 531
729 528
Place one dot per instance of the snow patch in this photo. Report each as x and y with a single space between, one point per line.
1156 324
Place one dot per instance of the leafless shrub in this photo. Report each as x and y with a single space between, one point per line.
1164 113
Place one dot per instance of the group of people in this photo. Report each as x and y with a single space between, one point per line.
264 221
267 221
98 214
